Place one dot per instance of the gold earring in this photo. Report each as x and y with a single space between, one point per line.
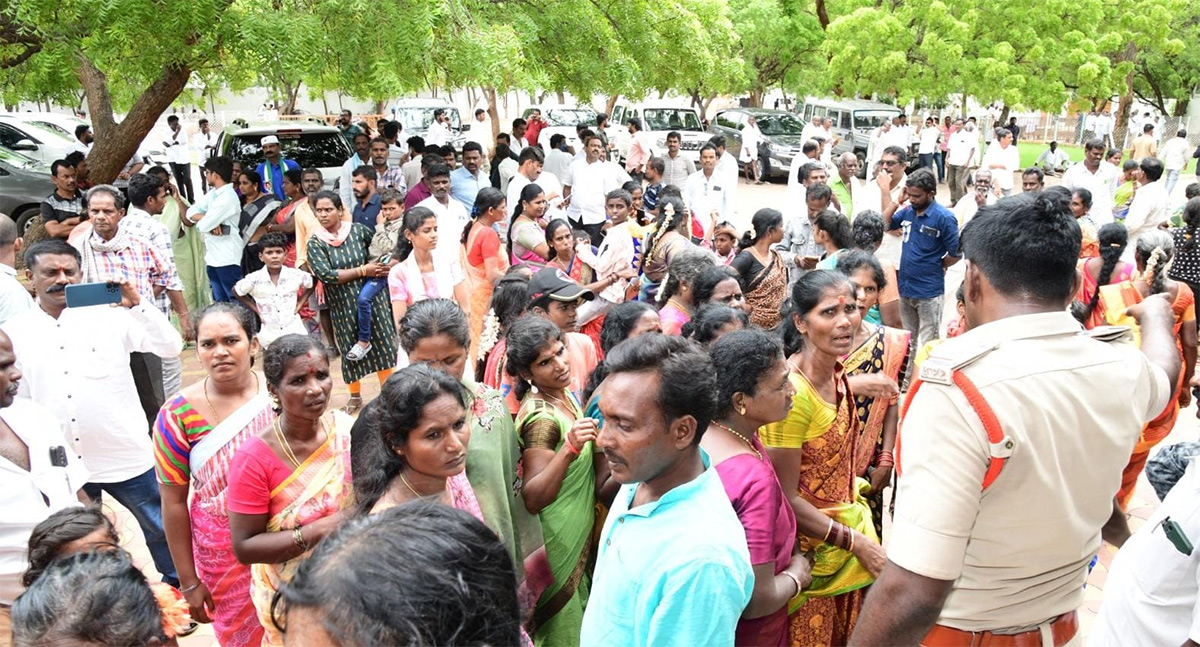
741 411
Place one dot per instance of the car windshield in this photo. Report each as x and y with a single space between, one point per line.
671 119
779 124
868 119
17 160
415 118
309 150
55 127
569 116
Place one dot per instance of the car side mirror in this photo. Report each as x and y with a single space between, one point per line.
25 145
465 127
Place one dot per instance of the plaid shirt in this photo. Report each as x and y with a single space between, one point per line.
392 178
139 262
141 224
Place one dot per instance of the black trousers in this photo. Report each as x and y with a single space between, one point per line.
183 178
148 380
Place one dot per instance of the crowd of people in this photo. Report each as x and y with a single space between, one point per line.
607 416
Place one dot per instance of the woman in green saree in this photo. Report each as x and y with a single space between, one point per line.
560 470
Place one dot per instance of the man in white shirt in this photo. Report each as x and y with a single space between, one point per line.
706 195
438 133
1104 128
677 167
900 134
588 181
530 171
1053 160
14 298
557 160
1003 159
884 194
361 157
38 477
452 216
960 155
1151 596
204 145
480 131
1095 174
929 144
216 214
412 168
727 168
830 139
519 143
75 363
812 129
1149 207
1175 156
179 157
981 197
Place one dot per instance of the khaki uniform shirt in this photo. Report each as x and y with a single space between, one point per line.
1073 407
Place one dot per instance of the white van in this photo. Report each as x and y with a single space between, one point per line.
417 114
659 118
561 120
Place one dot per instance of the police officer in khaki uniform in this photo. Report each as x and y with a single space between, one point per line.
998 516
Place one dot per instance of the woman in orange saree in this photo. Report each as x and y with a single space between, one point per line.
813 451
1154 252
484 259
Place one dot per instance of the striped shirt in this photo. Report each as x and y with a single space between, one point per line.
178 428
139 262
141 224
57 208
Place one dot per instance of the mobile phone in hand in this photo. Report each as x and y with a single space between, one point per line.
81 295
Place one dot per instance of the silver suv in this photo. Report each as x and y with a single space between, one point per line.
311 143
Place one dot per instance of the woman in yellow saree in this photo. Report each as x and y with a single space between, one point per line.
293 479
813 453
874 369
1153 254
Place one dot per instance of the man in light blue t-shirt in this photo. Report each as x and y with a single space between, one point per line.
673 567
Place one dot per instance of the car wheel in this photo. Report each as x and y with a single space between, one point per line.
764 169
23 218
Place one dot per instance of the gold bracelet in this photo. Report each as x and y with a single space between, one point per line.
851 548
827 532
298 540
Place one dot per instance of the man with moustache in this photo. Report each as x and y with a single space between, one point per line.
38 477
452 216
673 567
75 363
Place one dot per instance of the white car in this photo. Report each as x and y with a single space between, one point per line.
417 114
309 142
561 120
659 118
42 144
62 123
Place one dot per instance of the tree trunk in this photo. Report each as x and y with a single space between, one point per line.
562 98
116 143
610 104
1003 116
489 94
1181 107
380 106
1122 122
756 98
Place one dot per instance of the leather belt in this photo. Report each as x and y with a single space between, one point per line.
1062 628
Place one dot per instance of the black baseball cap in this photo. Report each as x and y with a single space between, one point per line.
556 285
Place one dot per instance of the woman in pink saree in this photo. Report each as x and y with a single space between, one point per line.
195 437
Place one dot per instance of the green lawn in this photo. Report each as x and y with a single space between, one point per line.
1031 150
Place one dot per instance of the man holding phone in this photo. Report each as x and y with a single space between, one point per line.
75 363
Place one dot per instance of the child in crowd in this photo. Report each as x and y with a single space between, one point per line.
832 230
725 238
275 292
613 262
1125 190
654 174
387 232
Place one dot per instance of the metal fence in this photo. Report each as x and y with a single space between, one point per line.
1072 130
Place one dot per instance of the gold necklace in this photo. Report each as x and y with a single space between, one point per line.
284 444
678 305
740 436
410 487
210 404
569 404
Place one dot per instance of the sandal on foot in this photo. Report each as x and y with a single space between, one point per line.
357 352
352 405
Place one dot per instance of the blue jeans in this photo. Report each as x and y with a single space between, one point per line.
927 161
940 158
140 496
222 280
365 298
1172 179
